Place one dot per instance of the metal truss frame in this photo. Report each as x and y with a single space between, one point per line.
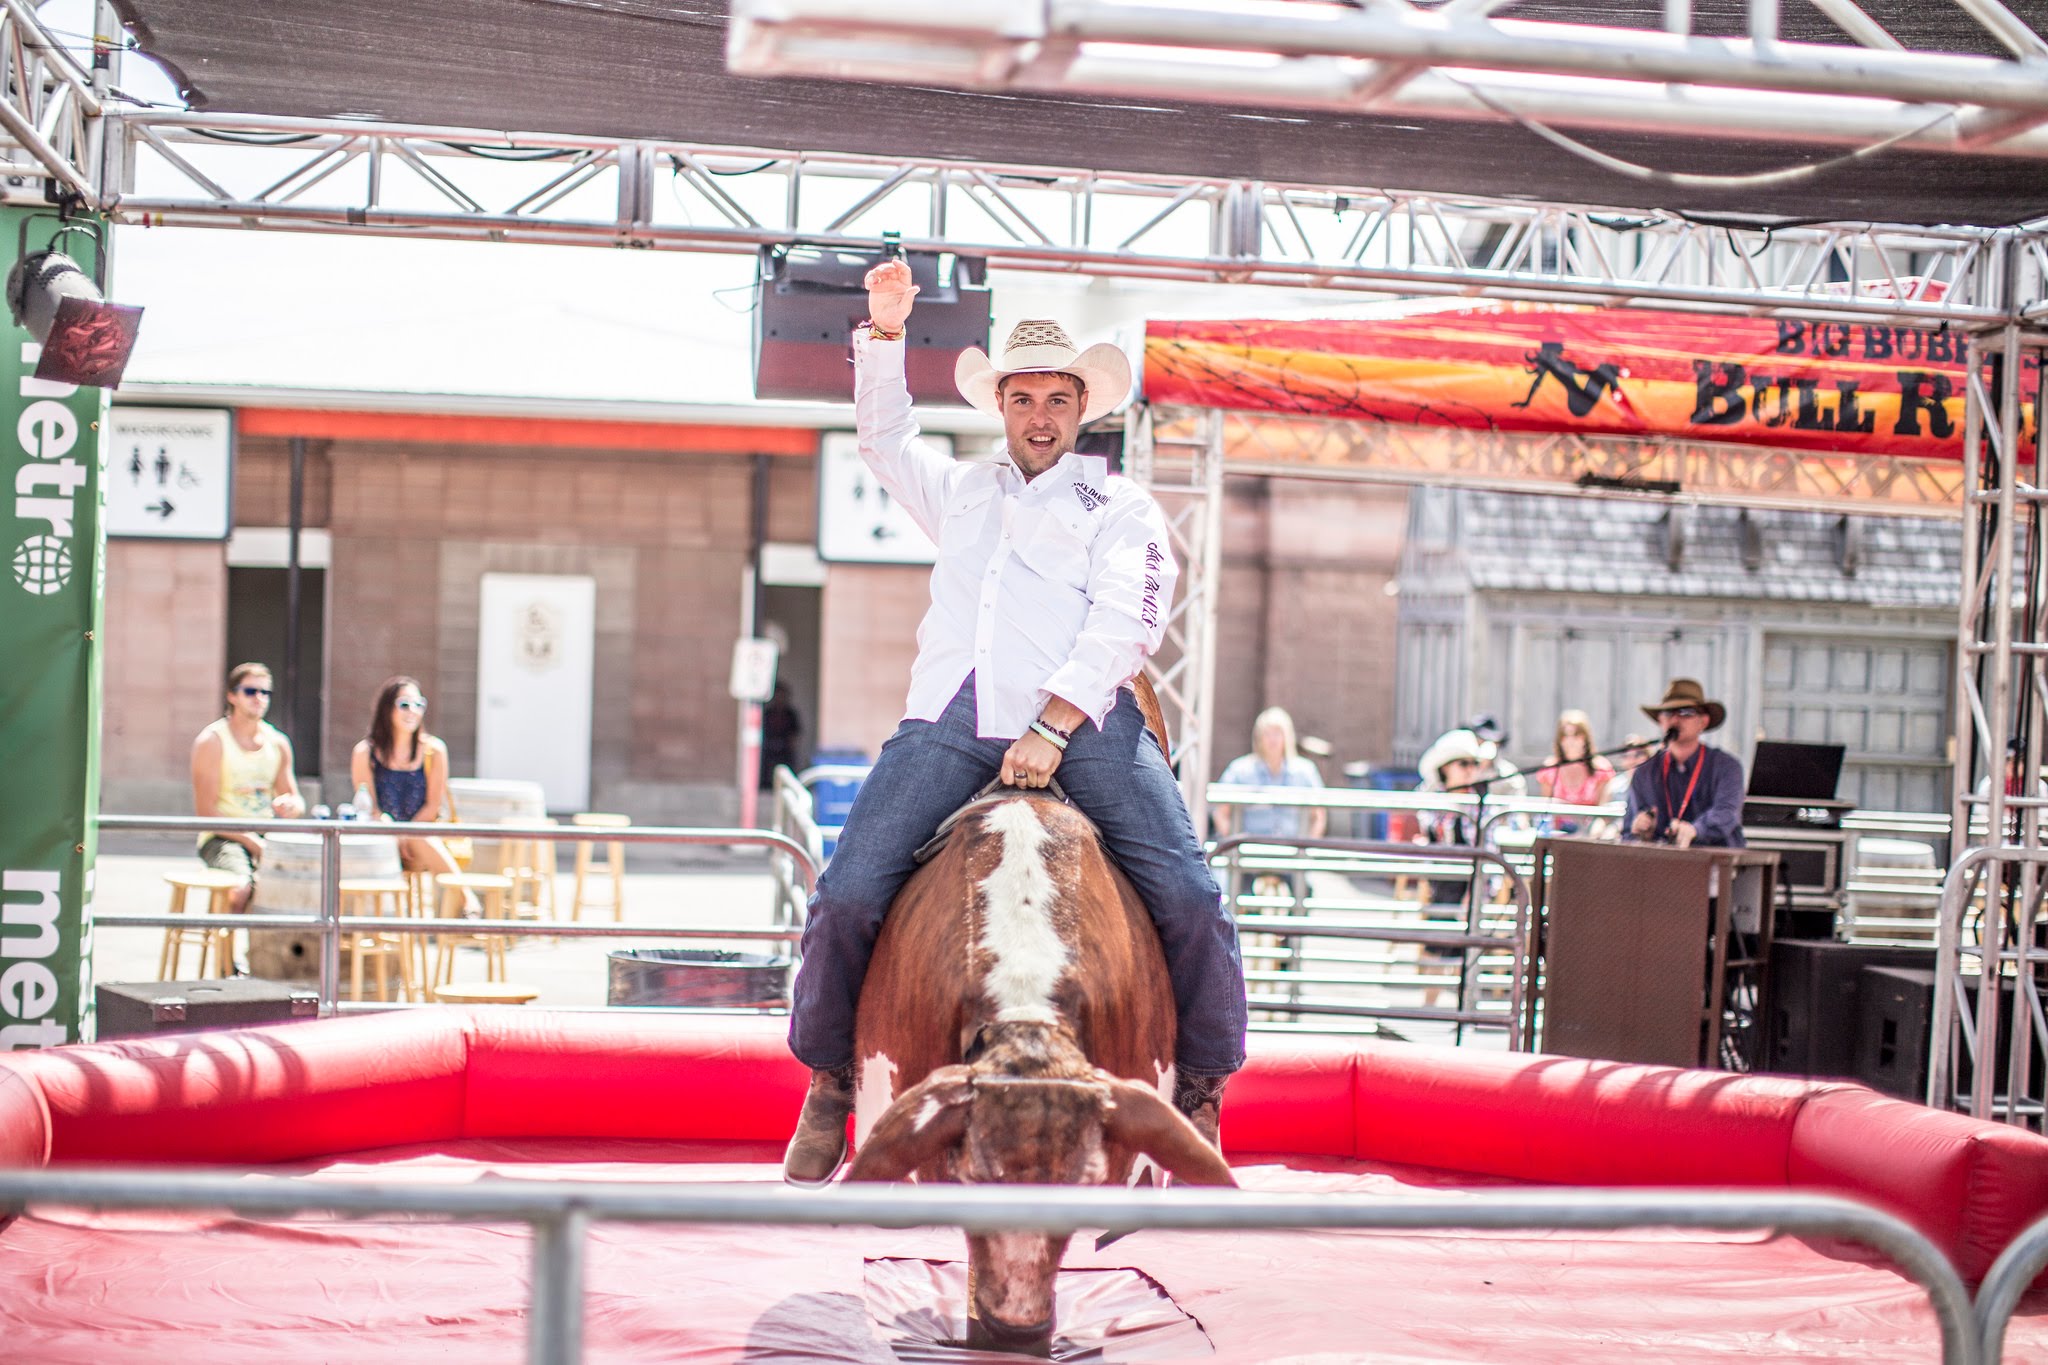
50 110
61 137
1451 61
1189 488
2002 704
356 177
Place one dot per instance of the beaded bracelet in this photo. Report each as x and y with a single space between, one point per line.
877 332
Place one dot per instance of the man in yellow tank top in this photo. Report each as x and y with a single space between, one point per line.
242 768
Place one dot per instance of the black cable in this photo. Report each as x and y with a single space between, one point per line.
514 153
258 139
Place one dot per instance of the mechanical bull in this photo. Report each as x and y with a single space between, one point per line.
1017 1027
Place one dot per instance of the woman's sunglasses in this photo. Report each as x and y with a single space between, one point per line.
407 704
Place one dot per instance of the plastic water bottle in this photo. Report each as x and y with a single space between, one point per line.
365 804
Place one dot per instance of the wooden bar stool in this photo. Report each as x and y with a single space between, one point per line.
530 863
493 889
485 993
207 938
381 896
615 858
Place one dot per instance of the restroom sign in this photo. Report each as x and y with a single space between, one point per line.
168 473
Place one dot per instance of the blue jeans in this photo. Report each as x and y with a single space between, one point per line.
1117 775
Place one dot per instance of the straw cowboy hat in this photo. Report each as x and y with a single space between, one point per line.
1451 744
1688 692
1040 346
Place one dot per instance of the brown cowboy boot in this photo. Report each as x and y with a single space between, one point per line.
1200 1098
820 1142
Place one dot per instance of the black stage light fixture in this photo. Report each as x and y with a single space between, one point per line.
85 339
808 300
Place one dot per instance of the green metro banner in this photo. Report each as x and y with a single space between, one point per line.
52 565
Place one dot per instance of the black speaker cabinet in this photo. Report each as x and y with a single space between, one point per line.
1895 1017
132 1009
1811 1001
809 299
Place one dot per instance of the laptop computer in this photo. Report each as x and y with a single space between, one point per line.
1795 772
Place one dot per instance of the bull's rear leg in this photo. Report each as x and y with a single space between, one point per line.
819 1146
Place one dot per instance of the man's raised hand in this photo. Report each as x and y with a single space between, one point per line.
889 294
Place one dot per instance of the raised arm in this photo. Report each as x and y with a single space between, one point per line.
913 472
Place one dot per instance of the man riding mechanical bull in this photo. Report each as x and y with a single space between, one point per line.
1050 590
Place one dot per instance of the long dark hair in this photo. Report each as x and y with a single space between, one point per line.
381 736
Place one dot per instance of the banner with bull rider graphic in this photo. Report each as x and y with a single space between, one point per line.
52 559
1821 386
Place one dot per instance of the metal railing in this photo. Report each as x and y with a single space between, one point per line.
561 1213
2006 954
796 868
2009 1278
1243 855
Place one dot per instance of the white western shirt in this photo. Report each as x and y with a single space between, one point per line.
1055 587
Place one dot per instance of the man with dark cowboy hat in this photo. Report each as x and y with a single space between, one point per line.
1050 590
1690 795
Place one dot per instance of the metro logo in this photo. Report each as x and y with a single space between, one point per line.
46 482
28 988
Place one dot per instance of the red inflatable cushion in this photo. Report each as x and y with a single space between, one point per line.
1293 1095
537 1074
1970 1186
1570 1121
256 1095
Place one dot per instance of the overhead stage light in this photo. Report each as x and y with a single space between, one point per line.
85 339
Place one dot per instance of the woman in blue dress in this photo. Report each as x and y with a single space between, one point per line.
405 770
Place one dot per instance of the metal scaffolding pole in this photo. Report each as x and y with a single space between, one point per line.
1987 940
1188 482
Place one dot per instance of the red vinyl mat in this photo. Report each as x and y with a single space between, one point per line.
101 1289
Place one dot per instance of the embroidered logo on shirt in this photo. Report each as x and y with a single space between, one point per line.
1148 610
1090 499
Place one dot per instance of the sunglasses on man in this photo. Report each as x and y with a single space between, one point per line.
1680 713
255 691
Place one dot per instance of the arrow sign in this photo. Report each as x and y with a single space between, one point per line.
163 508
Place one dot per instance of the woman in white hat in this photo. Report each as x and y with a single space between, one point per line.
1051 589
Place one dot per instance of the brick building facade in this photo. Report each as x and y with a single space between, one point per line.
406 512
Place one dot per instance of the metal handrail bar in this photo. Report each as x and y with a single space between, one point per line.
1959 890
399 829
2009 1278
330 924
1931 824
560 1213
1472 938
504 928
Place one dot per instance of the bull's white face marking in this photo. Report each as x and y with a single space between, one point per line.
874 1090
1025 955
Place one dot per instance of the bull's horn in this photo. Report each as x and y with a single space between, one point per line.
924 1121
1142 1121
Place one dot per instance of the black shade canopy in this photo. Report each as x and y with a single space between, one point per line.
643 68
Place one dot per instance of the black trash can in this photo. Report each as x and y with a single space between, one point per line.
699 978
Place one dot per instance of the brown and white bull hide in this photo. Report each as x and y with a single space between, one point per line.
1017 1027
